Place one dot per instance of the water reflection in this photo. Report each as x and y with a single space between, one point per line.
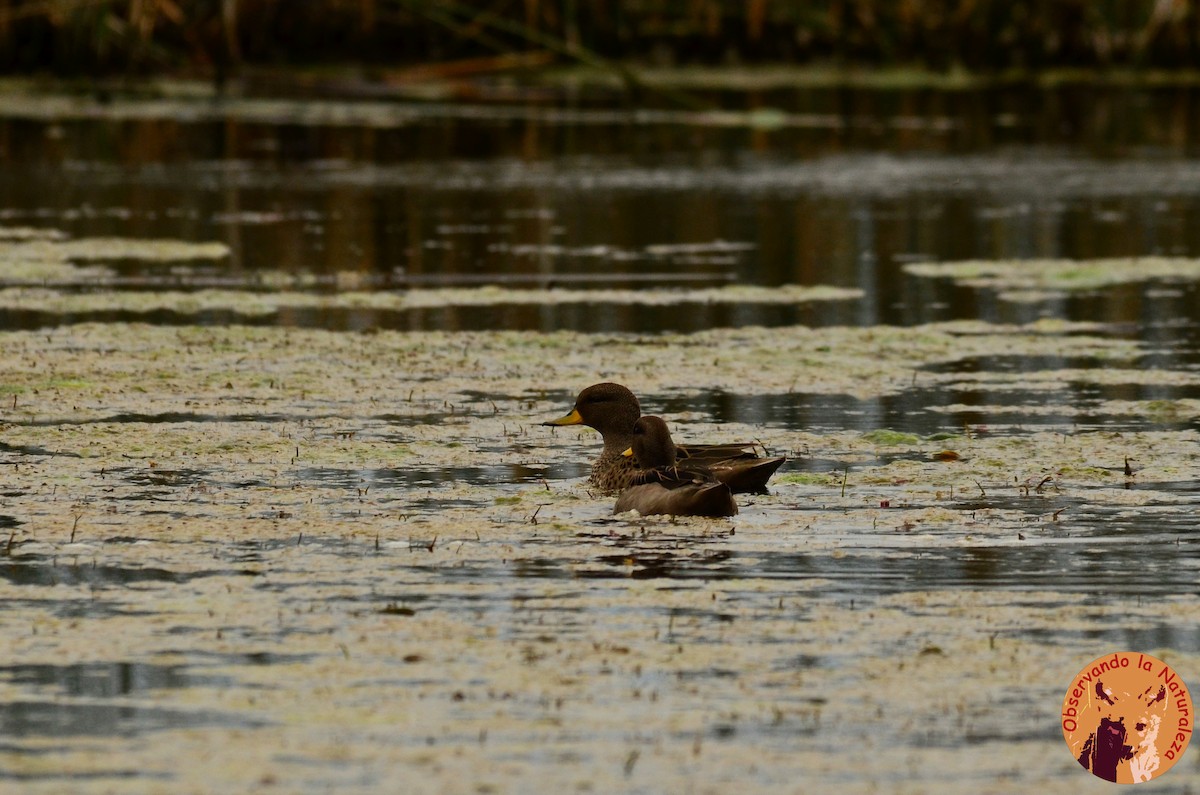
106 680
110 684
1067 569
58 719
40 571
852 186
653 564
1122 636
930 411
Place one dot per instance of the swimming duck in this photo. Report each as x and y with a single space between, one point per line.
613 410
662 485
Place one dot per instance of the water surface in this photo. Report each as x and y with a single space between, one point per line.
328 542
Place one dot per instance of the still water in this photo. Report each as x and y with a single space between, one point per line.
334 531
831 187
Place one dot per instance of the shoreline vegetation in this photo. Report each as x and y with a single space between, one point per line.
400 47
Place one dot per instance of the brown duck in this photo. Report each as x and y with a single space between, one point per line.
613 410
662 485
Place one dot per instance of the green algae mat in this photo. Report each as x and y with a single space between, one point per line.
248 558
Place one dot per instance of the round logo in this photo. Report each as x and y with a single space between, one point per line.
1127 717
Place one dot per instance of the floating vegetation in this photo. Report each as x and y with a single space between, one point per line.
48 257
1038 280
274 364
890 438
377 522
255 303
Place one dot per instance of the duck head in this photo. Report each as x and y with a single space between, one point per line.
609 408
652 445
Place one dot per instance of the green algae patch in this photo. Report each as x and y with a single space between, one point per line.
1034 280
112 248
808 478
222 370
1161 410
263 303
10 234
1042 461
889 438
52 259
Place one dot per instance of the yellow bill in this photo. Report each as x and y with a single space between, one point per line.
571 419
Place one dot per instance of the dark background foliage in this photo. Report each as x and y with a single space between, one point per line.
74 37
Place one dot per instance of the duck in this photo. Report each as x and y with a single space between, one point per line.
662 485
613 410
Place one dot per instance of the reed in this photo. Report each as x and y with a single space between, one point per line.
141 36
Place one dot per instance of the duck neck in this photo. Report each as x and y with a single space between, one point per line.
617 442
616 428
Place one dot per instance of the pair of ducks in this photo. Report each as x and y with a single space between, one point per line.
652 474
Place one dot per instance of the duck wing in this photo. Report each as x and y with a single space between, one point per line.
707 453
675 477
738 465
